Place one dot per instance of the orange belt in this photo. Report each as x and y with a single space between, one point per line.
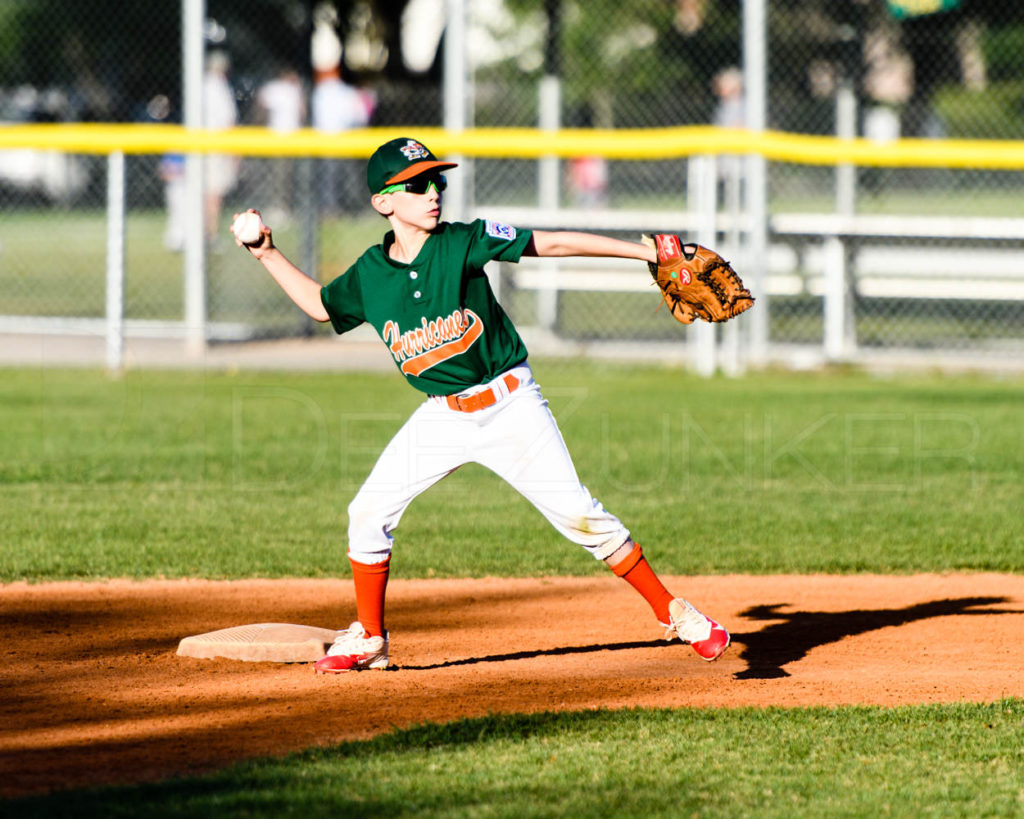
483 399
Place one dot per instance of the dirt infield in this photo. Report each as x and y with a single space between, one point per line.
93 691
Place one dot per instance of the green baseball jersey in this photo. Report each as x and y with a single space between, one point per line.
438 315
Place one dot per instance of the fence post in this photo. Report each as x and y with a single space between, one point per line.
456 96
548 175
115 261
193 12
834 264
550 117
755 85
836 308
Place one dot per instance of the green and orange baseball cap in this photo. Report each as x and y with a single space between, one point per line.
399 160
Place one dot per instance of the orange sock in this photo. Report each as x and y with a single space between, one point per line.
371 582
636 571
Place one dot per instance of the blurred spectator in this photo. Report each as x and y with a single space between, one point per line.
728 87
281 100
284 109
337 106
172 171
729 113
588 181
587 176
220 111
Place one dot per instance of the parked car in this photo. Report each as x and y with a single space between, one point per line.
56 176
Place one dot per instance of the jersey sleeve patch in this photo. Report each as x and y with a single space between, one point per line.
500 231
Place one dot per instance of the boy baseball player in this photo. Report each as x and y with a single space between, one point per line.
424 290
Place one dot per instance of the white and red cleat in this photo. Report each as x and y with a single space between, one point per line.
353 650
707 638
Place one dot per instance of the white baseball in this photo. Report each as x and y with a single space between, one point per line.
248 228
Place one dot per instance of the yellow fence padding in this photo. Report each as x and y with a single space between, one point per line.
523 143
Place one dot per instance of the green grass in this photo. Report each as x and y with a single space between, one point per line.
40 276
956 761
240 475
992 114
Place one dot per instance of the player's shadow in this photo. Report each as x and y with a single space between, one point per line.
767 651
787 641
560 651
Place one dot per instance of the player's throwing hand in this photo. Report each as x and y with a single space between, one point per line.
250 232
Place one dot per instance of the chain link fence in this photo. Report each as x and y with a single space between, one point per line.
929 258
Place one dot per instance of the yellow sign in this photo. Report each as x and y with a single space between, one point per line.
902 9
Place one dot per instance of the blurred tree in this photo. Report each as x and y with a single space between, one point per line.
112 56
104 53
644 63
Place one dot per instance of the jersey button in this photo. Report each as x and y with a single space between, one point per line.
413 274
417 294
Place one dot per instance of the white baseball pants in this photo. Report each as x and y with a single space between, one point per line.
516 438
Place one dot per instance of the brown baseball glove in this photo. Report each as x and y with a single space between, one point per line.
695 281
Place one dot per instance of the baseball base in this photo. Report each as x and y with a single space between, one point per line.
261 642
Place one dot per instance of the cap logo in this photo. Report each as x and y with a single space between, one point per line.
412 150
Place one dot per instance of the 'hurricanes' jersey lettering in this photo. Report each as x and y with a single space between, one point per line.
436 315
432 342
